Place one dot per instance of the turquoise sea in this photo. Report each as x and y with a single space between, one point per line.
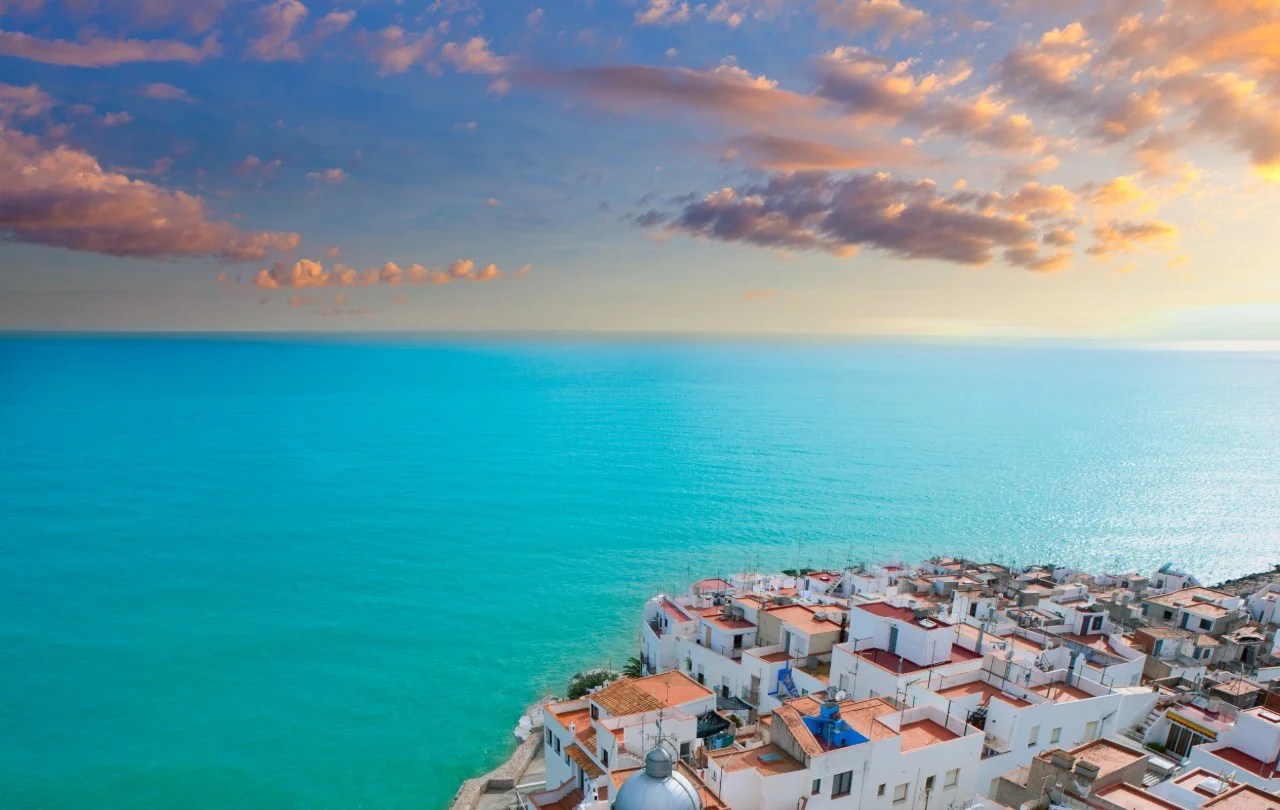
287 572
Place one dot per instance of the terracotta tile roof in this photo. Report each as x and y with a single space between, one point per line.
637 695
587 738
584 761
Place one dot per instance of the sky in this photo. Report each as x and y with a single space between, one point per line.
955 169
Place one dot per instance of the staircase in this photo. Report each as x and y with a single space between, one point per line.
785 681
1139 732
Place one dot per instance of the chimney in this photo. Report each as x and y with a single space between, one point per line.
1086 770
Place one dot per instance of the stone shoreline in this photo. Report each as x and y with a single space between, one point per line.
506 776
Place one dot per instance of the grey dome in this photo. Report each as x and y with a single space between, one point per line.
658 787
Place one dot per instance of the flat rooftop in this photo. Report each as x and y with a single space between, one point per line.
1134 798
1061 692
1238 758
1108 756
804 618
769 760
888 611
1244 797
986 690
923 733
896 663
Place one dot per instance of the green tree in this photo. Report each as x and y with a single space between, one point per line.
634 668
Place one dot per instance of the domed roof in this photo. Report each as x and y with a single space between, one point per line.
657 787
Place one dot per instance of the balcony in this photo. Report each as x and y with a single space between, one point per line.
656 627
751 696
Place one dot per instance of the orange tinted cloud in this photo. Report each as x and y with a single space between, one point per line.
312 273
61 196
103 51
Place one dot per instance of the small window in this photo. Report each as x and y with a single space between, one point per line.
1168 614
550 738
900 793
1205 624
595 712
880 790
816 788
1035 736
557 745
953 778
928 783
604 758
1055 735
842 785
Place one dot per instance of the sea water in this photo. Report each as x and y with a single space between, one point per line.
287 572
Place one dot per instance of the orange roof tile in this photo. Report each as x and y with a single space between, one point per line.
583 761
637 695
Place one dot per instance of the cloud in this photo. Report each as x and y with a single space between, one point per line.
782 153
395 50
62 197
880 90
335 22
726 91
94 51
165 92
1118 191
276 23
905 218
473 56
1123 236
116 119
23 102
1037 201
306 273
254 166
663 12
326 177
888 17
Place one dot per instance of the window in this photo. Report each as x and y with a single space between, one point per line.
550 738
880 790
928 783
737 642
595 712
557 745
1090 730
817 787
842 785
1205 624
1055 735
953 778
900 793
1035 736
604 758
1168 614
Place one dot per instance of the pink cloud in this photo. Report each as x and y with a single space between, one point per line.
473 56
277 22
306 273
888 17
24 102
62 197
165 92
94 51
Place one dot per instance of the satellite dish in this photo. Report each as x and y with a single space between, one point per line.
842 695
